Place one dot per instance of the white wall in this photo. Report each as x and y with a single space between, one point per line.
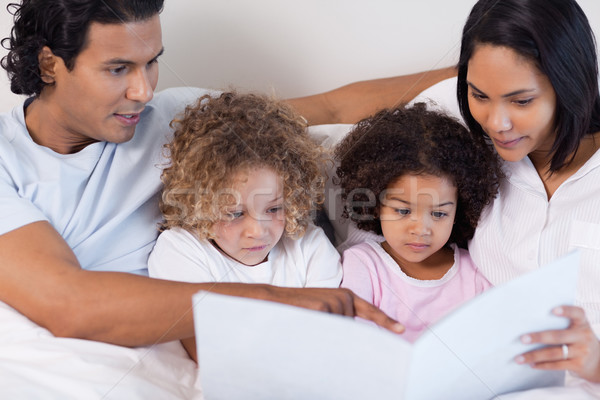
295 48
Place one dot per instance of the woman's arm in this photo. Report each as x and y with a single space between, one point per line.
353 102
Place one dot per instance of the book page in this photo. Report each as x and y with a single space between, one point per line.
253 349
256 350
471 351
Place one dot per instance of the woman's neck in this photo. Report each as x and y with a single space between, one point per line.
552 181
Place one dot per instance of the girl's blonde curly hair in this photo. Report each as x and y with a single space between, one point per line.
216 138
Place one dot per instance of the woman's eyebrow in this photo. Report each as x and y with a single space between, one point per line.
516 92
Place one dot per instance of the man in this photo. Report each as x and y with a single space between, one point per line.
79 183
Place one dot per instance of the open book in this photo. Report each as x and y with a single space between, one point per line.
252 349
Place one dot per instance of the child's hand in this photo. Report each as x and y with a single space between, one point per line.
335 301
576 348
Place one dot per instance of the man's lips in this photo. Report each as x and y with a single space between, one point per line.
128 119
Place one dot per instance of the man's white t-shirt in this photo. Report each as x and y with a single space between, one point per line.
103 200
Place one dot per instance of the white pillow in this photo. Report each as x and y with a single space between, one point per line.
441 97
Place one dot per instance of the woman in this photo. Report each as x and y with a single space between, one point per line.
528 79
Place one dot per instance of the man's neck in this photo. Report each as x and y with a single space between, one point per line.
44 127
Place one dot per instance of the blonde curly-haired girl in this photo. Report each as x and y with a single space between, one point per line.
243 181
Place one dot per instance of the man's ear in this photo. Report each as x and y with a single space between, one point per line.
47 61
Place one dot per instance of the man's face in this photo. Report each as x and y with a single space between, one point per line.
101 99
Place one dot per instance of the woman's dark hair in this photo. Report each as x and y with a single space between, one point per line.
62 25
382 148
556 36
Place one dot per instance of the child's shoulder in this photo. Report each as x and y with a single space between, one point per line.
364 246
313 231
468 267
313 236
175 233
463 258
313 246
368 249
179 239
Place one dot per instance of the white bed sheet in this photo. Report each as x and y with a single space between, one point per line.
36 365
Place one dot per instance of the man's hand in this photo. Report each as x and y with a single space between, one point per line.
334 301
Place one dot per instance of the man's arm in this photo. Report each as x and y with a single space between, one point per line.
353 102
41 278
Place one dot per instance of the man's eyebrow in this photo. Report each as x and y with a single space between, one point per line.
160 53
129 62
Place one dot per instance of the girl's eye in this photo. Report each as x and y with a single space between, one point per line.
235 215
403 211
438 214
274 210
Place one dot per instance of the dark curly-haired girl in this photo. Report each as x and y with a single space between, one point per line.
420 179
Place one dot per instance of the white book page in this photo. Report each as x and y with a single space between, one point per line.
471 351
256 350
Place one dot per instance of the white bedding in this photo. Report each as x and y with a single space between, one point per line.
36 365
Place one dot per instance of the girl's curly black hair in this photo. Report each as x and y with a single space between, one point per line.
413 140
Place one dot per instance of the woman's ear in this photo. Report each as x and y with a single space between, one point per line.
47 62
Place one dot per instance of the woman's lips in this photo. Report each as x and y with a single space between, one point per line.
507 144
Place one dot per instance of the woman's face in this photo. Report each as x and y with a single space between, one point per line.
513 101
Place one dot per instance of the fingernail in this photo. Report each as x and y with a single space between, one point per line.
558 311
520 360
398 327
526 339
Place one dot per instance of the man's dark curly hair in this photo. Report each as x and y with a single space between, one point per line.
62 25
382 148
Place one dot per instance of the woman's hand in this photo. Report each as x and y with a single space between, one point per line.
576 348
